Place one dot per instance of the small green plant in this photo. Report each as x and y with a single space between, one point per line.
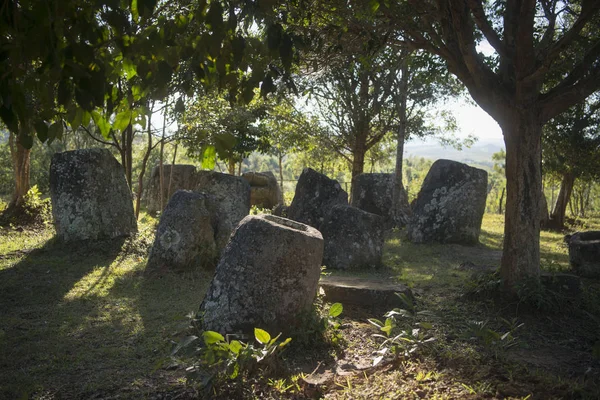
534 293
34 211
35 207
404 333
492 338
483 284
218 358
550 265
283 385
332 324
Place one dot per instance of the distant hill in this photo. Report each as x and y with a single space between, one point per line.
480 153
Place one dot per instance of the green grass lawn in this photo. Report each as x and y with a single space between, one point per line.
83 321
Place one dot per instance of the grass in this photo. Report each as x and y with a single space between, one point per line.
85 322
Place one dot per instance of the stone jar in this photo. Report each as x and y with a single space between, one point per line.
267 277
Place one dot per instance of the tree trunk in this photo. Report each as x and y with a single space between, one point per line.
398 194
358 156
582 202
557 218
521 251
127 153
21 161
161 163
240 168
280 160
501 201
587 198
231 166
171 173
140 190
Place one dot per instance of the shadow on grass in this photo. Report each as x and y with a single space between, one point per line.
31 292
83 321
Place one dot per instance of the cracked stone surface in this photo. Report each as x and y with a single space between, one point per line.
364 292
176 177
584 253
90 196
265 191
266 278
353 238
185 237
450 206
232 197
374 193
315 195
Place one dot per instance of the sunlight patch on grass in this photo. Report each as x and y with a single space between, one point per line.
13 240
101 280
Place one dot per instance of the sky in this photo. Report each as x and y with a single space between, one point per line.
473 120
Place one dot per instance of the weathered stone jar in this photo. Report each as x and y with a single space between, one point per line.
185 237
584 253
232 197
374 193
315 195
353 239
90 196
450 205
176 177
266 278
265 191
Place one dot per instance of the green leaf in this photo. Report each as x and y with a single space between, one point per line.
374 5
235 346
262 336
86 117
134 10
247 92
129 68
55 131
224 142
9 119
212 337
163 74
285 342
235 372
209 158
42 130
425 325
136 92
64 92
274 33
183 343
179 106
122 120
101 123
286 51
387 329
146 7
238 44
336 309
214 17
75 117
